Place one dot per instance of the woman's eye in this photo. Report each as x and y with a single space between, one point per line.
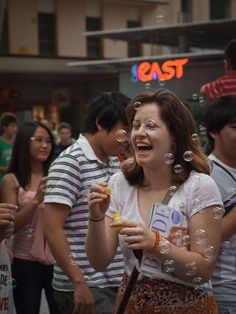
150 126
135 126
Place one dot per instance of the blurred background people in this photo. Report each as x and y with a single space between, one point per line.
24 186
65 138
8 126
221 130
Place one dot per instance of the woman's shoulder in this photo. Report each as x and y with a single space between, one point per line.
10 180
119 181
198 177
200 183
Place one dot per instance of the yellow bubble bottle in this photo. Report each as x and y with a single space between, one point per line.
117 217
107 190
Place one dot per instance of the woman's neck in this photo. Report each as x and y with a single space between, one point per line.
157 180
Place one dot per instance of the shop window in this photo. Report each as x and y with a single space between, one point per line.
3 34
219 9
94 46
46 26
134 48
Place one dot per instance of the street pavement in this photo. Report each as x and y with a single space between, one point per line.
44 307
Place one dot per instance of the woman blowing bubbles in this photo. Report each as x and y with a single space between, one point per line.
170 207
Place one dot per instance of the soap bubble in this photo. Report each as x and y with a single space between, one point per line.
159 18
176 237
217 212
194 137
225 248
164 246
11 283
147 85
137 105
162 82
190 268
210 164
201 100
200 236
72 259
188 155
169 158
209 253
185 240
168 266
178 168
121 136
194 96
197 282
195 202
29 232
172 189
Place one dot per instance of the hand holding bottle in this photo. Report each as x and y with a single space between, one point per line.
99 200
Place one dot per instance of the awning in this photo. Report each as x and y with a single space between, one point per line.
212 34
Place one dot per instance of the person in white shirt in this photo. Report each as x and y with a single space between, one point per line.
221 129
170 207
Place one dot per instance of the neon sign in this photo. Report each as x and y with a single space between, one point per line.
148 71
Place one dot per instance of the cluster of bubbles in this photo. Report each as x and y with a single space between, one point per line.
200 99
161 83
181 239
178 168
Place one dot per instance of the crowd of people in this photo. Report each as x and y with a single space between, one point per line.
173 247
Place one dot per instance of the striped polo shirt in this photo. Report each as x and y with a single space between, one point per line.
69 179
223 86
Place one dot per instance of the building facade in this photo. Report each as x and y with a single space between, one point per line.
38 38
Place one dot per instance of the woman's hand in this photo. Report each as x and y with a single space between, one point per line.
137 236
41 190
99 200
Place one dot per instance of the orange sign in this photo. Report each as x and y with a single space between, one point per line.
147 71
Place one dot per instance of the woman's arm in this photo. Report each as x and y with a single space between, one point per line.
139 237
102 240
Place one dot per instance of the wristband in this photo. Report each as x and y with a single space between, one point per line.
154 248
95 220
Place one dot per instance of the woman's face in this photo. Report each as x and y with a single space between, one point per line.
40 145
150 137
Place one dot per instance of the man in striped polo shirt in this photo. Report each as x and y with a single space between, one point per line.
92 158
224 85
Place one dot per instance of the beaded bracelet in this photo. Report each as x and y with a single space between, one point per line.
154 248
95 220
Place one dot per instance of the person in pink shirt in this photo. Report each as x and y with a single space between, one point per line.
24 186
224 85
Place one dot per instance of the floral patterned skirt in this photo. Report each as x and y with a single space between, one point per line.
166 297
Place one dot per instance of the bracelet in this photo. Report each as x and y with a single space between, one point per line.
154 248
95 220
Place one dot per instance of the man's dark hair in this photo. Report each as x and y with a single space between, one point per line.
6 119
64 125
107 109
218 114
230 53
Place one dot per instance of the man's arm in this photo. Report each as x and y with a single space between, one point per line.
202 89
55 216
